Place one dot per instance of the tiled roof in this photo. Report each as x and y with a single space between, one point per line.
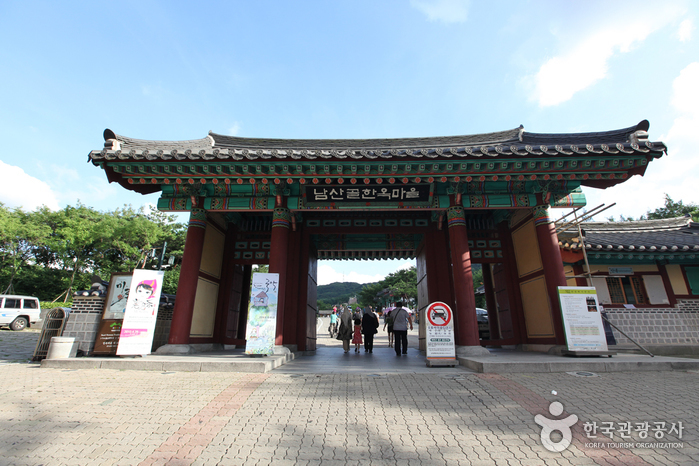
673 235
511 143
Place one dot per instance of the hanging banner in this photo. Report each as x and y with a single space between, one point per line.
262 314
439 326
582 320
141 313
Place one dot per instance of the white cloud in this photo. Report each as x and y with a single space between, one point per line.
448 11
585 60
22 190
684 32
406 265
233 130
675 174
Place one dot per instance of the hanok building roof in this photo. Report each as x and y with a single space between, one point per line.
676 239
597 159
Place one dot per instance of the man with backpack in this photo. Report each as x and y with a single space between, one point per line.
401 320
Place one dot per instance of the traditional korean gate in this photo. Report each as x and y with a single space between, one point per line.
280 192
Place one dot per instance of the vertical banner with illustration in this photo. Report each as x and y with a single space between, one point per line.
141 313
262 314
582 321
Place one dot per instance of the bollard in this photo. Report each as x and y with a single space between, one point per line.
62 348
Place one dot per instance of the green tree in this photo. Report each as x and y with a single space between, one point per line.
73 245
400 285
673 209
49 254
20 234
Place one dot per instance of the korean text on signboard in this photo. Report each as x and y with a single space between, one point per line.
368 193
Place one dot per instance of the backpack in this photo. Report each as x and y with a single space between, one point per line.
389 319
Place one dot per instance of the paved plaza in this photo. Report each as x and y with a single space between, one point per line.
362 409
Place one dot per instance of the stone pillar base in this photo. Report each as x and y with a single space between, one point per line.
466 351
278 349
175 349
189 349
549 349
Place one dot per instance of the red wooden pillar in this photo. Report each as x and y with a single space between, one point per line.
292 311
553 266
437 262
465 319
278 252
189 276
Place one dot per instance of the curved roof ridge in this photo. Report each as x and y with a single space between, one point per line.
637 225
133 143
612 136
500 137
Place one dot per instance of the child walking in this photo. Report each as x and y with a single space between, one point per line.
357 338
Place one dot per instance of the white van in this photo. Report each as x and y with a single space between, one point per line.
19 312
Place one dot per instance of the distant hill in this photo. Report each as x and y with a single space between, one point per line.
339 292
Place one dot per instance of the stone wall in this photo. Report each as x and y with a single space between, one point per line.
678 326
83 321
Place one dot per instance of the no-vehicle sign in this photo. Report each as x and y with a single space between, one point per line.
439 314
439 333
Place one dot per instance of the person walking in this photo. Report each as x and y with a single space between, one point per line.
344 333
357 337
388 322
370 324
333 324
401 320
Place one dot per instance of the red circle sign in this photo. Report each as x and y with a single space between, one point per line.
438 314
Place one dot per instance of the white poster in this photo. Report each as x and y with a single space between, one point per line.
582 320
141 313
261 330
439 326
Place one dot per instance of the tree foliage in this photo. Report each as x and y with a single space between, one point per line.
673 209
50 254
397 286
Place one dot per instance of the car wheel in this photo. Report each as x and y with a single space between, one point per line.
20 323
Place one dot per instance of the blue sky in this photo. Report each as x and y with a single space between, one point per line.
174 70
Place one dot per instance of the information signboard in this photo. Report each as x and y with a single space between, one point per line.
107 337
582 320
141 313
262 314
439 326
117 295
109 329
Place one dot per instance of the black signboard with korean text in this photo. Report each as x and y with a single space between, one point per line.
370 194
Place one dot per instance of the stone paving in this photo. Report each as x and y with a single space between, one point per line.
18 346
108 417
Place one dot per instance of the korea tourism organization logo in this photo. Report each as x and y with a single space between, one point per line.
607 434
549 426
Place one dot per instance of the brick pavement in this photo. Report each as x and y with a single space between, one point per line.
18 346
102 417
